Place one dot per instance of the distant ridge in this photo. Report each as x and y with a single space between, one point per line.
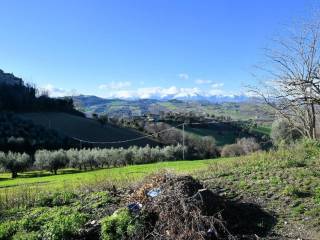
92 99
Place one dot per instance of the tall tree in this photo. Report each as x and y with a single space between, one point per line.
293 86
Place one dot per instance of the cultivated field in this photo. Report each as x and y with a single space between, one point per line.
86 129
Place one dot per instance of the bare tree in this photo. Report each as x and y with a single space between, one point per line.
294 88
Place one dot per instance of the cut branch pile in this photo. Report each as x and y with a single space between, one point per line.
184 209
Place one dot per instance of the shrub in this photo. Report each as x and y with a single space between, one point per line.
26 236
8 229
282 132
232 150
54 223
120 225
203 147
249 145
317 195
64 225
56 199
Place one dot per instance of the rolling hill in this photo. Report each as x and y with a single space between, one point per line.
86 129
242 110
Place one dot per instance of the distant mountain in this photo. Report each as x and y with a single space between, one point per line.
116 107
238 107
217 98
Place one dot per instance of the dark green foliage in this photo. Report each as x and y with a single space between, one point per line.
56 199
8 229
87 129
17 134
26 236
45 223
317 195
17 96
63 225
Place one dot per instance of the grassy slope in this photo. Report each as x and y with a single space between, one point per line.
222 134
286 183
85 128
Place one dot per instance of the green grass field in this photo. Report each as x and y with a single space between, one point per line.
264 129
285 182
74 178
221 135
86 129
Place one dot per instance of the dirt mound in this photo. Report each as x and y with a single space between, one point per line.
179 207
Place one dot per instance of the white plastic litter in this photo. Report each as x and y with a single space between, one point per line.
154 192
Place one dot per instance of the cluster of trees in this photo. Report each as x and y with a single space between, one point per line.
98 158
198 147
17 96
20 135
243 146
84 159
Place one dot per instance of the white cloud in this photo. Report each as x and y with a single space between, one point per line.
217 85
57 92
121 90
115 85
183 76
203 81
155 92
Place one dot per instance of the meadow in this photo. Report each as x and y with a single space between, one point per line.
24 189
284 182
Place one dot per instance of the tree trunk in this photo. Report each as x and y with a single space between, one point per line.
314 133
55 171
14 174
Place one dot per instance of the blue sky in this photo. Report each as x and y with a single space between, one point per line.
141 48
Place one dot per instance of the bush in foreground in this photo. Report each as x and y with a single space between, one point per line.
45 223
122 224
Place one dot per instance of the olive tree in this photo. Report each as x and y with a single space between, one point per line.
51 160
14 162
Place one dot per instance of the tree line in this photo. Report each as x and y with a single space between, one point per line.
85 159
20 135
15 95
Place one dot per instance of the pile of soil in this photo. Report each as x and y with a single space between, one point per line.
183 209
